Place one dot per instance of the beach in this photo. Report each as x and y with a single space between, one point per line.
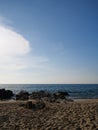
77 115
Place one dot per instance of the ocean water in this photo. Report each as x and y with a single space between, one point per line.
76 91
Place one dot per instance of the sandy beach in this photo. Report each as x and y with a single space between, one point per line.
77 115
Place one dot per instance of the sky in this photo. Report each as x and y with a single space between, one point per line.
49 41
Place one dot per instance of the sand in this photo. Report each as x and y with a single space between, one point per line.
78 115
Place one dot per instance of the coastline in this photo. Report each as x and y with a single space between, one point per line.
74 100
74 90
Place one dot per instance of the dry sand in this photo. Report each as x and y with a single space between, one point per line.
78 115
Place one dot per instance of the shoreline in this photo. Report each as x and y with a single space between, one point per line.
68 101
74 90
75 100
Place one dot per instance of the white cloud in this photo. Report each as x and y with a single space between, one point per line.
15 51
12 47
12 43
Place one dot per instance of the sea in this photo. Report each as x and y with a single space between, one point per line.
76 91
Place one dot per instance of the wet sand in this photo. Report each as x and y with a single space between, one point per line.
77 115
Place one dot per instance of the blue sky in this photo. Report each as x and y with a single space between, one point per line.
49 41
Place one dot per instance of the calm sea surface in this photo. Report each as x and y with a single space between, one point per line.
76 91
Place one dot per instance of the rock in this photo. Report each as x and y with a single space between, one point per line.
35 105
29 105
39 95
23 95
50 97
39 105
6 94
60 95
